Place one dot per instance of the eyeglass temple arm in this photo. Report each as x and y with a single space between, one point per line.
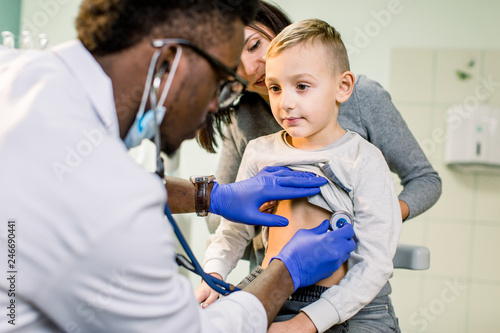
161 42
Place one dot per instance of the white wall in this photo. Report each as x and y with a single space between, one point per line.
55 18
464 226
401 23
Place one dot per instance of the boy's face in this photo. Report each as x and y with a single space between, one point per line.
303 94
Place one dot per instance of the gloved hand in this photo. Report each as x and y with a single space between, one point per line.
313 255
240 201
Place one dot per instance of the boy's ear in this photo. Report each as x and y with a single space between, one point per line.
345 86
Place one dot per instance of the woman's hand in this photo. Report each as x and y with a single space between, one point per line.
405 210
299 324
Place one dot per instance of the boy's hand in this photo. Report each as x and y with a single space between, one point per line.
240 201
268 207
206 295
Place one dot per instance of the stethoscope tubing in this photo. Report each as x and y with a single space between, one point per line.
193 265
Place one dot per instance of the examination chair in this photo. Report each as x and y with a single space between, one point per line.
412 257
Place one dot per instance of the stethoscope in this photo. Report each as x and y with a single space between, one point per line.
338 219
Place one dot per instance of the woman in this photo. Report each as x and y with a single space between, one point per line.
368 112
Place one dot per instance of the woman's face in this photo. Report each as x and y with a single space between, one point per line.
253 67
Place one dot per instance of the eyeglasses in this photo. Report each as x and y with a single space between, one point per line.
230 89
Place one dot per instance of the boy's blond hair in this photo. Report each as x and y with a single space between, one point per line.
311 30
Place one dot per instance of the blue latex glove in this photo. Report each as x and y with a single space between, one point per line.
313 255
240 201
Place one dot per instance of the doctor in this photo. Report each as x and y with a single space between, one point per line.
88 247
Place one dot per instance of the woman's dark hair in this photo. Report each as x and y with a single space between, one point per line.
271 17
110 26
275 20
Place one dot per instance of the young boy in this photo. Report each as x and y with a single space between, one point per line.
308 77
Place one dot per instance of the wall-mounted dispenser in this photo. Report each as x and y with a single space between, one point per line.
473 138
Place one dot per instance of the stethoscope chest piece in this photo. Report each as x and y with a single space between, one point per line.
339 219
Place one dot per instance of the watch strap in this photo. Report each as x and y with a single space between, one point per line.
201 194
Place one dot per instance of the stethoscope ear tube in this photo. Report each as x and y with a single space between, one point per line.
193 265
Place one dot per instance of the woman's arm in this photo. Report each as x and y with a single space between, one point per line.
387 130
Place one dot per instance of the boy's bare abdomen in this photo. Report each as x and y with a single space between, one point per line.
301 215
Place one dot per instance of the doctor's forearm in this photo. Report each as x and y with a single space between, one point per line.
272 287
181 195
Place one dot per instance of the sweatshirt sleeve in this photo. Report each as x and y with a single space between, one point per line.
230 240
226 247
388 131
377 227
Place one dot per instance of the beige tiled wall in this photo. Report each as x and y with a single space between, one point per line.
461 290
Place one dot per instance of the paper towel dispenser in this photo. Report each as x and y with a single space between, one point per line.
473 138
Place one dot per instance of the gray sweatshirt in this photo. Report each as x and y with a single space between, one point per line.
359 182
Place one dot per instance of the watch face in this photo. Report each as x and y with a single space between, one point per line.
202 179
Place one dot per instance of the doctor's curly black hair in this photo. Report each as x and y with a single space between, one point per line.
110 26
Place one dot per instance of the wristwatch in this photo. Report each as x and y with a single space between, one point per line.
201 198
